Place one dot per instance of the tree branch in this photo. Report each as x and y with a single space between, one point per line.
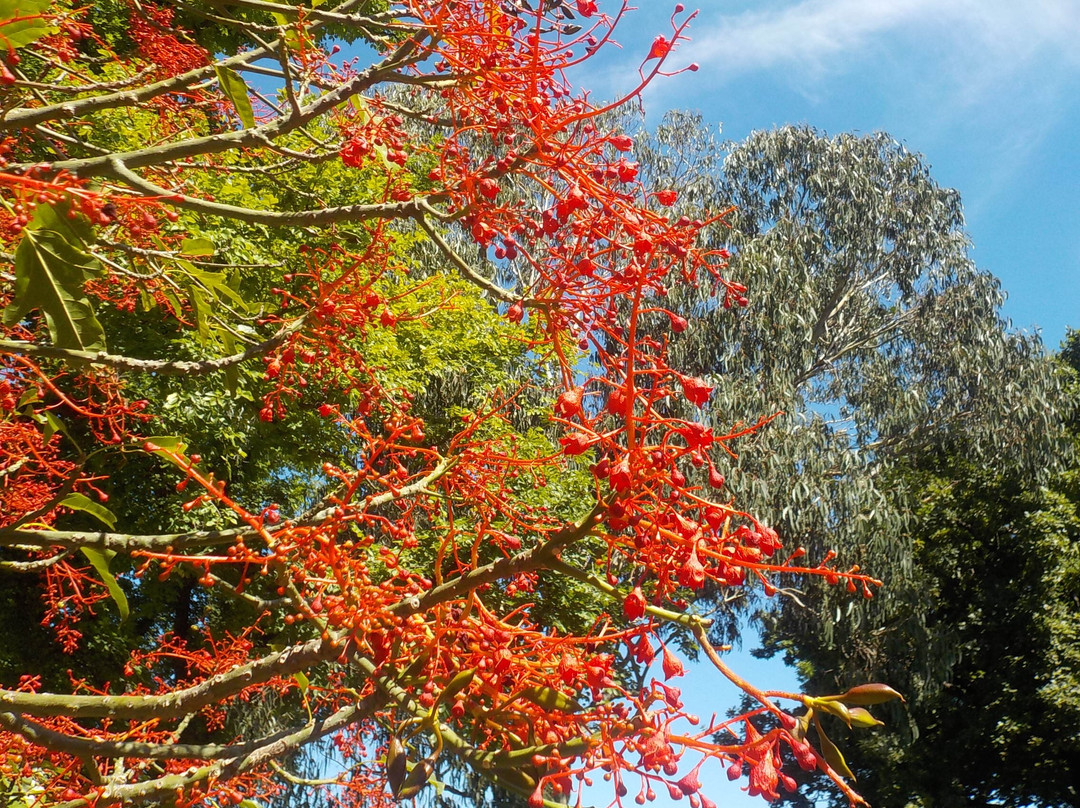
130 794
161 367
20 118
33 540
73 745
165 706
536 558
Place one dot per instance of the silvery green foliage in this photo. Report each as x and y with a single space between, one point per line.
871 329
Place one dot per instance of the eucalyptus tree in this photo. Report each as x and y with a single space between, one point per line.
870 334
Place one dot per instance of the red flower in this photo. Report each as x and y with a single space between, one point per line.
714 517
634 604
764 777
568 668
516 313
678 324
768 541
620 475
666 198
643 650
695 389
697 437
671 664
660 48
586 8
569 403
672 696
692 573
627 170
575 443
690 783
616 403
804 755
621 142
489 188
354 152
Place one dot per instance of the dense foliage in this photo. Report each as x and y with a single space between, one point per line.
920 436
337 408
997 562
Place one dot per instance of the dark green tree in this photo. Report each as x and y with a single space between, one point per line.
997 562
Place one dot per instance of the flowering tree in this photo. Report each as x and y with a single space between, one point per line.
172 214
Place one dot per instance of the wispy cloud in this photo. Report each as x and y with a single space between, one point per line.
819 36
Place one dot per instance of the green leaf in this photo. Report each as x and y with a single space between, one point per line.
100 562
457 684
52 426
832 754
249 804
550 699
216 284
30 396
162 445
197 247
236 91
302 681
51 267
232 373
200 307
289 32
80 502
75 229
16 33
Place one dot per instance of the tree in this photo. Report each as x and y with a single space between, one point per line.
171 214
998 563
870 333
919 427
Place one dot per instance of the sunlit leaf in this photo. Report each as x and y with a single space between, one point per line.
51 267
236 91
550 699
197 247
21 22
81 502
100 562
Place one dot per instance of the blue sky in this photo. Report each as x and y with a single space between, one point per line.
987 90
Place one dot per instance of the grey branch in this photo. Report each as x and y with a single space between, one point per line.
160 367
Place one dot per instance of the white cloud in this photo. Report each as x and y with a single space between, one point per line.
816 36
